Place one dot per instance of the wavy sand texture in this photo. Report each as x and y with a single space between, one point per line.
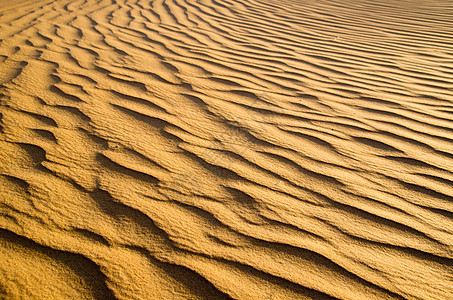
211 149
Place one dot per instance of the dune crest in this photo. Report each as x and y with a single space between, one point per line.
218 149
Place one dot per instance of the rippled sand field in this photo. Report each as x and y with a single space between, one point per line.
217 149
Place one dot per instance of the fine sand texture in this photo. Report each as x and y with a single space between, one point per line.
226 149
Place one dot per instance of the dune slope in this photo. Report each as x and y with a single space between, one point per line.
217 149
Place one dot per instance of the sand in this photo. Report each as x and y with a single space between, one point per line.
217 149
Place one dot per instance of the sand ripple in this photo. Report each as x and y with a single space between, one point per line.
211 149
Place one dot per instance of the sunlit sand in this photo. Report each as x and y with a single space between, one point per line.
217 149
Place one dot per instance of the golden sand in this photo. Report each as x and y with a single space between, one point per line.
214 149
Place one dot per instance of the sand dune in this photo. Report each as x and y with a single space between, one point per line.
211 149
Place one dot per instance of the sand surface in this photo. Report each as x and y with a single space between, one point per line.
216 149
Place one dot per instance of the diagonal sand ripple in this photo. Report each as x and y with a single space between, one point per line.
212 149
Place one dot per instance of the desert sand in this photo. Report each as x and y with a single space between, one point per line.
226 149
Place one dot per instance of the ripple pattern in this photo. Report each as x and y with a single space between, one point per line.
226 149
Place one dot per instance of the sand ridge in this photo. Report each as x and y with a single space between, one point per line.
216 149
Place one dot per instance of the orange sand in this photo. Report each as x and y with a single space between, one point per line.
211 149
